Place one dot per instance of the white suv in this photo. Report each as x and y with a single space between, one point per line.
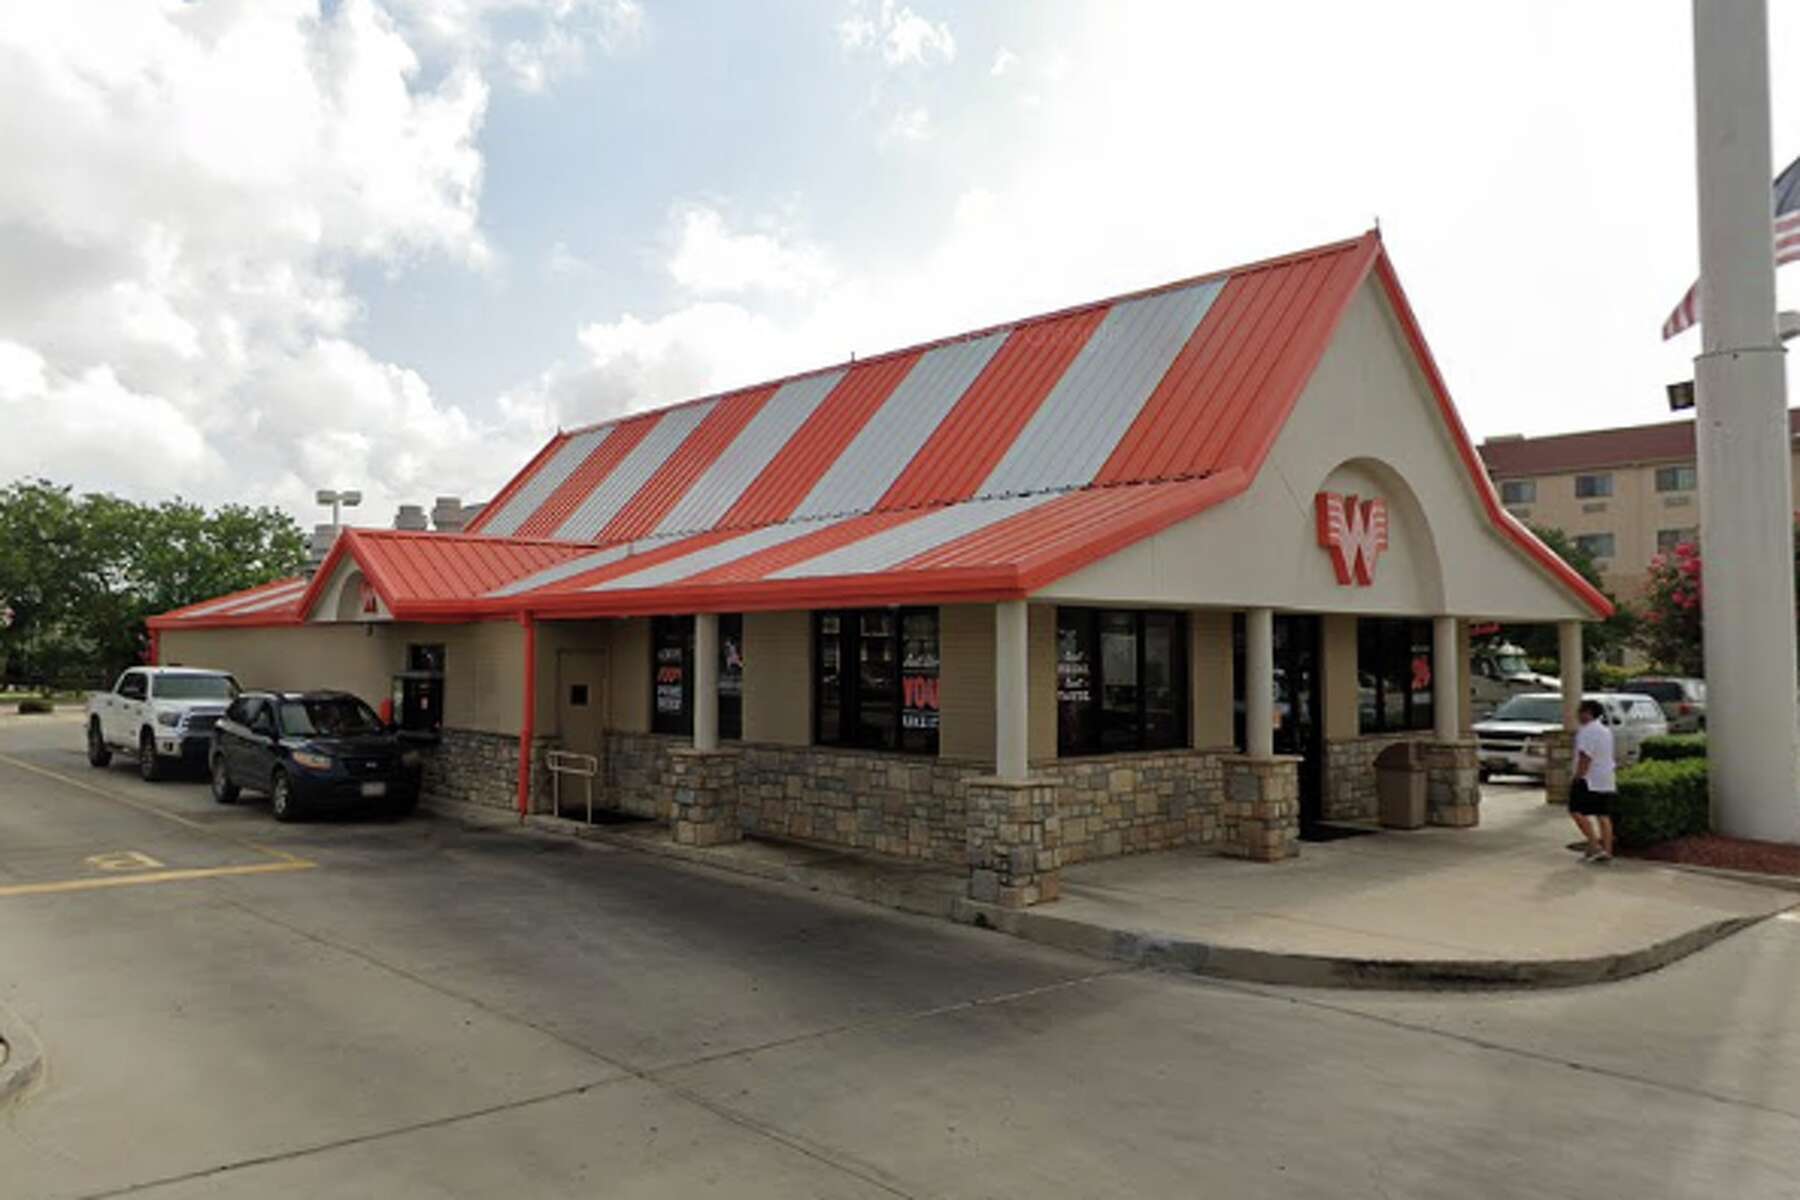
1514 740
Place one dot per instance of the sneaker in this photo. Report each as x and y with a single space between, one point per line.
1582 847
1602 857
1590 854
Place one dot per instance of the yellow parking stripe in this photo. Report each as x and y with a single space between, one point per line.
114 881
150 809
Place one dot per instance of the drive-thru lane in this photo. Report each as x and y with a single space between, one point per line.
434 1010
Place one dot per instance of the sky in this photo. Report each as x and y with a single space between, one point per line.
252 248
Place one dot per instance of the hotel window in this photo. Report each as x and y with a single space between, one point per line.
1518 491
1668 539
1592 487
672 675
1121 680
1596 545
1676 479
1393 672
875 679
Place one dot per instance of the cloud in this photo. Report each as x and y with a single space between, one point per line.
177 316
909 125
710 259
901 34
551 38
1004 61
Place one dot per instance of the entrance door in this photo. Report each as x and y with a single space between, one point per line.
581 718
1299 704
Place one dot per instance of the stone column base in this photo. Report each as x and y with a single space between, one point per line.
1015 841
1452 782
1559 769
703 790
1262 807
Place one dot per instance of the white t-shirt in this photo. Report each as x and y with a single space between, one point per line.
1596 741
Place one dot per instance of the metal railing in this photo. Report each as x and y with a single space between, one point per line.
567 762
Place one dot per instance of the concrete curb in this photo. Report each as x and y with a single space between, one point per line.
910 892
1171 953
21 1057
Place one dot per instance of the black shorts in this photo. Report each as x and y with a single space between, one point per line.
1590 803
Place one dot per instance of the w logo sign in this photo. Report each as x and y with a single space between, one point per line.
1355 532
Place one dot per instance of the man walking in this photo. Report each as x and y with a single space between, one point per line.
1594 790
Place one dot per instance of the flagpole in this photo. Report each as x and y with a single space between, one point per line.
1746 499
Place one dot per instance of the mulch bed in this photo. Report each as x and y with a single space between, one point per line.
1726 853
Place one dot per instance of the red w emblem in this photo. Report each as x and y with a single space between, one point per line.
1355 532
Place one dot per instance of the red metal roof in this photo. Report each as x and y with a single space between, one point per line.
1598 449
978 467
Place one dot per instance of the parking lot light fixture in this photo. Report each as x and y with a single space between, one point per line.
338 501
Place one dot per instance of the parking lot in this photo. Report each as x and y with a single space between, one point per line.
229 1007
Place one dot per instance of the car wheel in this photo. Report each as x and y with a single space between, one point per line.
149 765
98 753
281 798
1484 774
223 790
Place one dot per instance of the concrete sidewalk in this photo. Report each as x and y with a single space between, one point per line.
1505 905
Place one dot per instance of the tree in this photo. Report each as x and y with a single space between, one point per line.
1600 639
81 573
1672 634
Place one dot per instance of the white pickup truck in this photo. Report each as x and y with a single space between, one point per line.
159 714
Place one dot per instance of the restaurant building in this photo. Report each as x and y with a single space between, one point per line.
1164 570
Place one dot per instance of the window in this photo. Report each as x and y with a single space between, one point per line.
132 686
1121 680
1676 479
1668 539
1518 491
1596 545
328 716
1591 487
672 681
196 687
1394 672
875 679
672 675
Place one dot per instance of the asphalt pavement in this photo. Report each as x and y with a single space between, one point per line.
228 1007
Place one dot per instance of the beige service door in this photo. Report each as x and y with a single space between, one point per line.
581 716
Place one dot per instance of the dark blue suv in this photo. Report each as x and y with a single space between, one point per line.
312 751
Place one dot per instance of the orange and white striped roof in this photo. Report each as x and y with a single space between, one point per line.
979 467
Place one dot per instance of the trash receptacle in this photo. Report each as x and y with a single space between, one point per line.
1400 787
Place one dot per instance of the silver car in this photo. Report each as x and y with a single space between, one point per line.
1683 700
1515 740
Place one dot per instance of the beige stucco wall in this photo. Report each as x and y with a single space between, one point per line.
1367 423
631 674
966 681
1210 682
1337 650
778 677
294 658
484 674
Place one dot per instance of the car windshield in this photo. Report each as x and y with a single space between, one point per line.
196 687
334 716
1544 709
1512 664
1664 690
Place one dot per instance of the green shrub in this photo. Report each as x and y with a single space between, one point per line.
1661 799
1673 747
35 705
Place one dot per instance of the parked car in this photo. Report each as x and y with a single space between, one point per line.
163 715
1514 741
1683 700
312 751
1499 671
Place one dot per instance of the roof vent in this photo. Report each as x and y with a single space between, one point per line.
411 518
447 514
318 546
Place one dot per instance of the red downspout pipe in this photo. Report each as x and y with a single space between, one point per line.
527 719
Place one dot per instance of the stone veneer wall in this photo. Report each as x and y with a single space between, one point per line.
468 766
1135 803
1350 774
890 803
637 768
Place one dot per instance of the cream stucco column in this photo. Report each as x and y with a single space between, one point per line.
706 681
1012 690
1568 643
1259 683
1447 679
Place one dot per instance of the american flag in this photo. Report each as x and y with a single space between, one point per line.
1787 246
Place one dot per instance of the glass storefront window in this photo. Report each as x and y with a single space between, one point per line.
892 702
1394 675
1120 680
672 675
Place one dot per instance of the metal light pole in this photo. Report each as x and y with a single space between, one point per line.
1746 504
338 502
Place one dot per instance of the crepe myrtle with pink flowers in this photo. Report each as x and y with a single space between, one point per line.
1670 629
